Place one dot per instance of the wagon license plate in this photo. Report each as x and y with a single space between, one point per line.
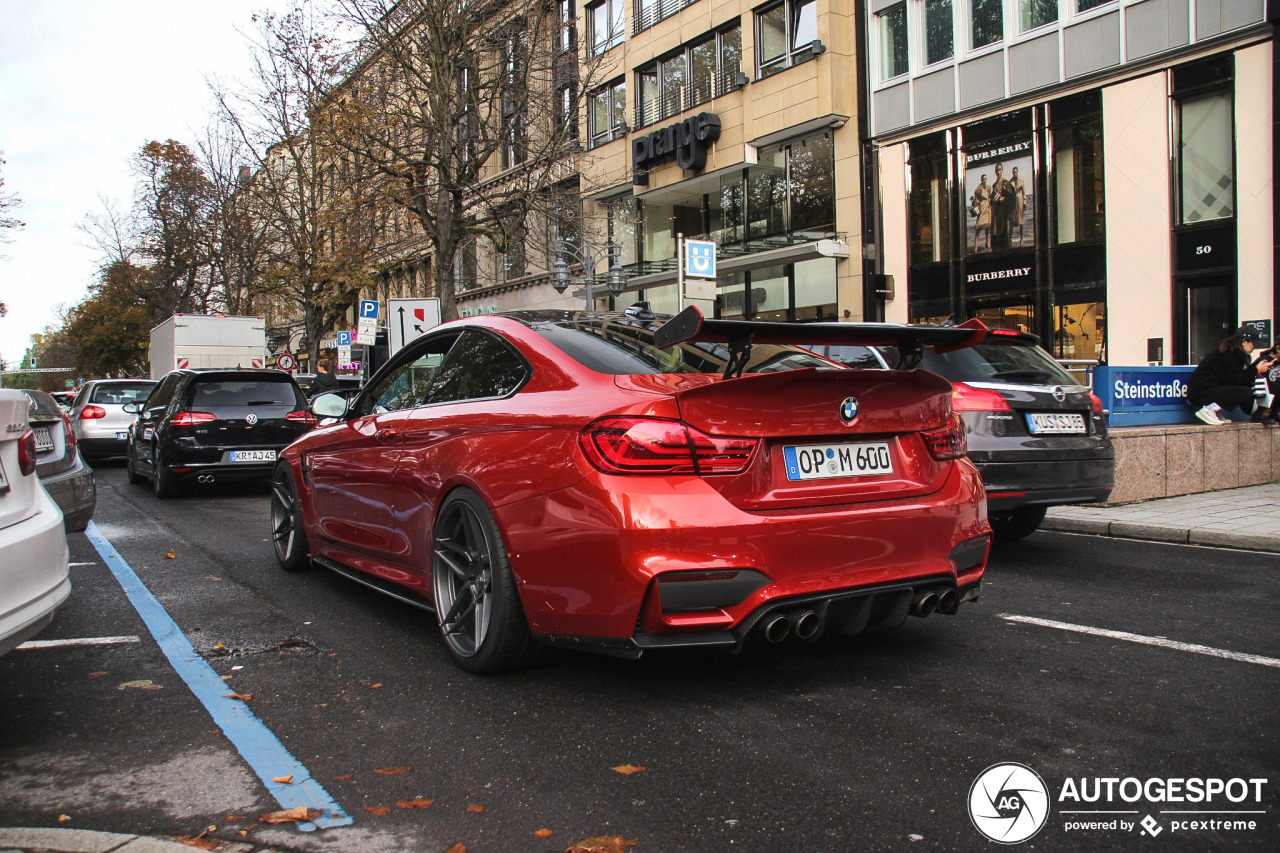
44 440
253 456
1056 424
828 461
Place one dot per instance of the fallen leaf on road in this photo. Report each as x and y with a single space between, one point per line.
475 807
344 777
380 811
418 803
627 769
97 674
63 818
601 844
544 833
202 843
141 684
283 780
172 555
243 697
457 848
392 771
290 815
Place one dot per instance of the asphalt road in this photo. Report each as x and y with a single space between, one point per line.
867 743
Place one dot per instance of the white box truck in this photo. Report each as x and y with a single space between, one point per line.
207 340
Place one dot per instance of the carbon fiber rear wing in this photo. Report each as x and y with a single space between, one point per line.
739 335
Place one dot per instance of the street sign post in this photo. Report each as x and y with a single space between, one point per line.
698 270
408 319
367 325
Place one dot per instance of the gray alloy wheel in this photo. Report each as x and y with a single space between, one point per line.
476 601
163 482
288 536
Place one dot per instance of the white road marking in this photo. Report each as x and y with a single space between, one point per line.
1147 641
80 641
81 564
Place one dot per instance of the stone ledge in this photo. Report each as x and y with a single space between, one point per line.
1166 460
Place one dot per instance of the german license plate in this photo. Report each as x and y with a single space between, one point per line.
122 436
44 441
253 456
4 481
1057 423
828 461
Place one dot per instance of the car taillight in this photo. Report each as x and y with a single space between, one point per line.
92 413
1095 404
947 442
301 417
192 418
653 446
966 398
69 437
27 453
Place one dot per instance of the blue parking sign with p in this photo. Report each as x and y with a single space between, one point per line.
700 259
369 308
344 339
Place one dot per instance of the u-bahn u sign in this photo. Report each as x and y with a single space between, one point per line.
686 140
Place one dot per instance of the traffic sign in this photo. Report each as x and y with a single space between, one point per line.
368 309
699 259
286 362
344 339
408 319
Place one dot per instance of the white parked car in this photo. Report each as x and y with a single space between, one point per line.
34 579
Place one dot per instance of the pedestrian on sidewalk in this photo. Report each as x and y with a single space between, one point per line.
1224 380
326 381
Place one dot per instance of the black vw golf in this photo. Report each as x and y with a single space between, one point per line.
213 425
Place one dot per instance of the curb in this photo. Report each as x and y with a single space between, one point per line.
89 841
1268 543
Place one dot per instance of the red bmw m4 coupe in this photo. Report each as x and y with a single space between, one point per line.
621 482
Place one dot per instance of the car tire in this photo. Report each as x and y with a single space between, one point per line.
288 535
1017 524
477 605
131 469
163 481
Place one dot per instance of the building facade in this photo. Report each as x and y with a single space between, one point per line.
1097 172
716 120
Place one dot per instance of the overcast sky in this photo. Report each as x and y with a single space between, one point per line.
83 86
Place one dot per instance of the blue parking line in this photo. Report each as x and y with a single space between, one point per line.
256 743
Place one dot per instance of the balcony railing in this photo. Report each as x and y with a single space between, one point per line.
649 12
676 99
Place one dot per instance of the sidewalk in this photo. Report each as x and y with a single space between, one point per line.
85 841
1247 518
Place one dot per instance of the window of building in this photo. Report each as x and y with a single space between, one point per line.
513 102
785 33
1205 181
624 227
802 291
1086 5
566 114
465 269
693 75
646 13
929 209
939 31
892 25
1078 182
510 253
987 23
607 113
567 20
606 25
1037 13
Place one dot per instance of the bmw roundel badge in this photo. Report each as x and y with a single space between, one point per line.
849 410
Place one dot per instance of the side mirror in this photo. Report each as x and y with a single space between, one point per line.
329 405
132 408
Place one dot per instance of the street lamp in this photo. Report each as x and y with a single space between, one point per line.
588 256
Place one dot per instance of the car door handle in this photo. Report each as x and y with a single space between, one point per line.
385 435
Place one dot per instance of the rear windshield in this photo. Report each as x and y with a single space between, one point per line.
622 346
119 393
242 392
998 363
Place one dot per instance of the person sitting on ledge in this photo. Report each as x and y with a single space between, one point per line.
1224 380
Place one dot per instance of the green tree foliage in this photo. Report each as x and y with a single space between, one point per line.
108 333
